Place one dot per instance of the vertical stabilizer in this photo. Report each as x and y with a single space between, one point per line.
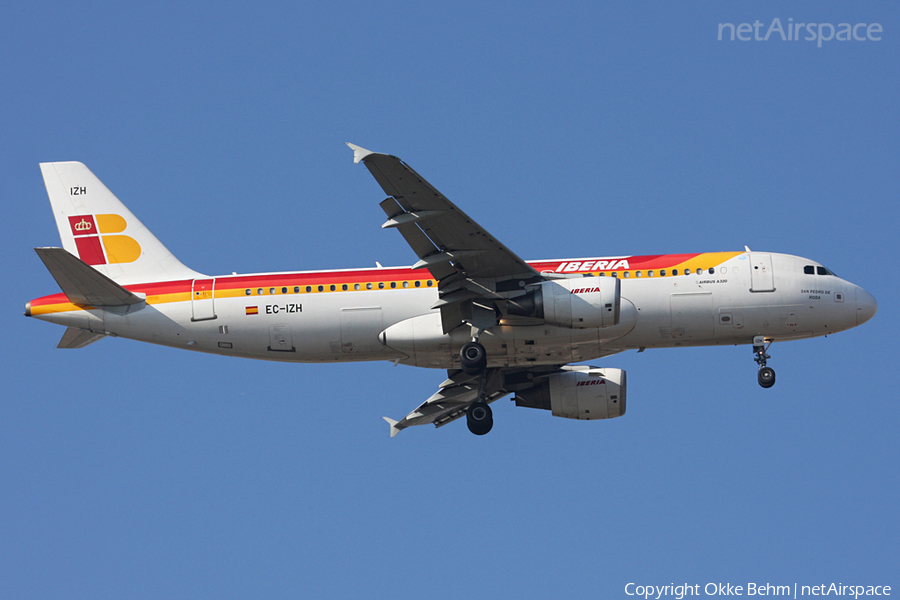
97 228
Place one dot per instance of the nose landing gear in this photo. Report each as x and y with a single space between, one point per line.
766 375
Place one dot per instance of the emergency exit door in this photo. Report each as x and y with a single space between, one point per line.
203 293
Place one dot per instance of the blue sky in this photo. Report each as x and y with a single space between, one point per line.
566 130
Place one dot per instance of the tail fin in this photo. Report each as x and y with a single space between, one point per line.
96 227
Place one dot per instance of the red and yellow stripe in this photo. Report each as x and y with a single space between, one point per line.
383 279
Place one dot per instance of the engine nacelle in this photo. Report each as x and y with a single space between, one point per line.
578 303
422 338
584 394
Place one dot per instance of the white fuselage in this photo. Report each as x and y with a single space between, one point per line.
728 303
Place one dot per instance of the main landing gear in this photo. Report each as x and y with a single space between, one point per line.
766 375
473 358
479 418
473 361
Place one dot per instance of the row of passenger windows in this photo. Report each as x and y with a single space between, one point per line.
344 287
811 270
430 282
664 272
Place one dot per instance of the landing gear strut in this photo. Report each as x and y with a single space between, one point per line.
766 375
473 361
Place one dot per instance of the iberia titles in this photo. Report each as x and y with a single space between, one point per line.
590 265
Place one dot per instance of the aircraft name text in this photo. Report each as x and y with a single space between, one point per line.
816 294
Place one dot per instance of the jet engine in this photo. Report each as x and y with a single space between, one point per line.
580 303
586 394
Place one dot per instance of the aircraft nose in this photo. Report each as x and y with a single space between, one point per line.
866 306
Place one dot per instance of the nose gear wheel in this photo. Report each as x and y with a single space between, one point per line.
766 375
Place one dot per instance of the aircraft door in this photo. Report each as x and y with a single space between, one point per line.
202 300
762 278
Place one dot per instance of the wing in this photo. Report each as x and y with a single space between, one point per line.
469 263
459 390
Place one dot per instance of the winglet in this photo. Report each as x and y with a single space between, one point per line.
359 153
394 429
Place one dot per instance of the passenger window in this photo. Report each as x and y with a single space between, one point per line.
699 271
637 274
332 288
296 289
344 287
418 283
406 284
355 286
712 270
662 272
380 285
272 291
649 273
809 270
674 272
248 292
308 288
430 283
321 288
259 292
616 275
626 274
393 284
368 286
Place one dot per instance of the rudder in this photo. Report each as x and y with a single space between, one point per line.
96 227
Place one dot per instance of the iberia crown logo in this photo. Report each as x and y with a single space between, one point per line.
97 243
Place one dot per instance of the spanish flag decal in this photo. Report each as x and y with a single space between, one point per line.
252 310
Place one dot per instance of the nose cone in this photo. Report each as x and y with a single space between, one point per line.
866 306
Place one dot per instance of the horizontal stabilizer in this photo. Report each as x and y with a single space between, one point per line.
78 338
81 283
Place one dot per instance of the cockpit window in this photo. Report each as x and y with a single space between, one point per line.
809 270
823 271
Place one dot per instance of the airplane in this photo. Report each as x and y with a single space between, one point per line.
496 323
